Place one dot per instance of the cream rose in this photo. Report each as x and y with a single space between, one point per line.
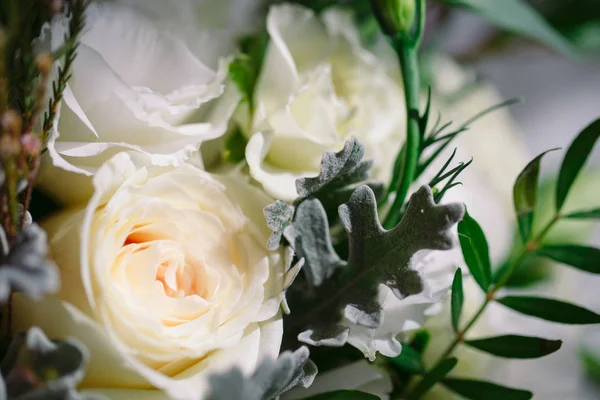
318 87
165 277
138 83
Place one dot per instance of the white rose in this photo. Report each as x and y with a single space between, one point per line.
166 279
318 87
138 83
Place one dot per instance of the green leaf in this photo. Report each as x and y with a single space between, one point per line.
515 346
575 157
518 17
581 257
475 251
457 299
587 214
432 377
591 364
244 70
409 360
235 147
525 193
482 390
550 309
344 395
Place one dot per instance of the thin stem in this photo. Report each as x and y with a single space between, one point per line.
529 247
409 63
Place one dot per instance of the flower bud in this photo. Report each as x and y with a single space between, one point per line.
395 16
31 144
43 62
11 123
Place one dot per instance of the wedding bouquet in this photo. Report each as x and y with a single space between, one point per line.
249 200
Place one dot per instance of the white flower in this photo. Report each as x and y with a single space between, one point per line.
166 279
138 83
360 375
318 87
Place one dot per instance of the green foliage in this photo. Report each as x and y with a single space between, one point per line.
457 299
69 52
344 395
581 257
235 147
550 309
270 379
432 377
518 17
587 214
475 251
575 158
591 363
525 194
244 70
481 390
408 360
515 346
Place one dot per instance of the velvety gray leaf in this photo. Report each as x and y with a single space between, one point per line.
337 170
388 254
271 378
347 292
575 158
26 267
309 236
36 368
278 215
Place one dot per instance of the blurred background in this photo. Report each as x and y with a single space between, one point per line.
561 96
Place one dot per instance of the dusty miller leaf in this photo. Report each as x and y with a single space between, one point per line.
348 290
36 368
309 236
278 215
340 172
26 267
271 378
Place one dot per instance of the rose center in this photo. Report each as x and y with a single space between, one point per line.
176 280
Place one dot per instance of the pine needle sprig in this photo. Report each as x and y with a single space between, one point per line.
76 24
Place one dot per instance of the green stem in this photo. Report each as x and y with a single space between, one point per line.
529 247
409 64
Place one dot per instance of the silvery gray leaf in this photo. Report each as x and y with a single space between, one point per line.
347 291
36 368
26 267
271 378
309 236
278 215
337 170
